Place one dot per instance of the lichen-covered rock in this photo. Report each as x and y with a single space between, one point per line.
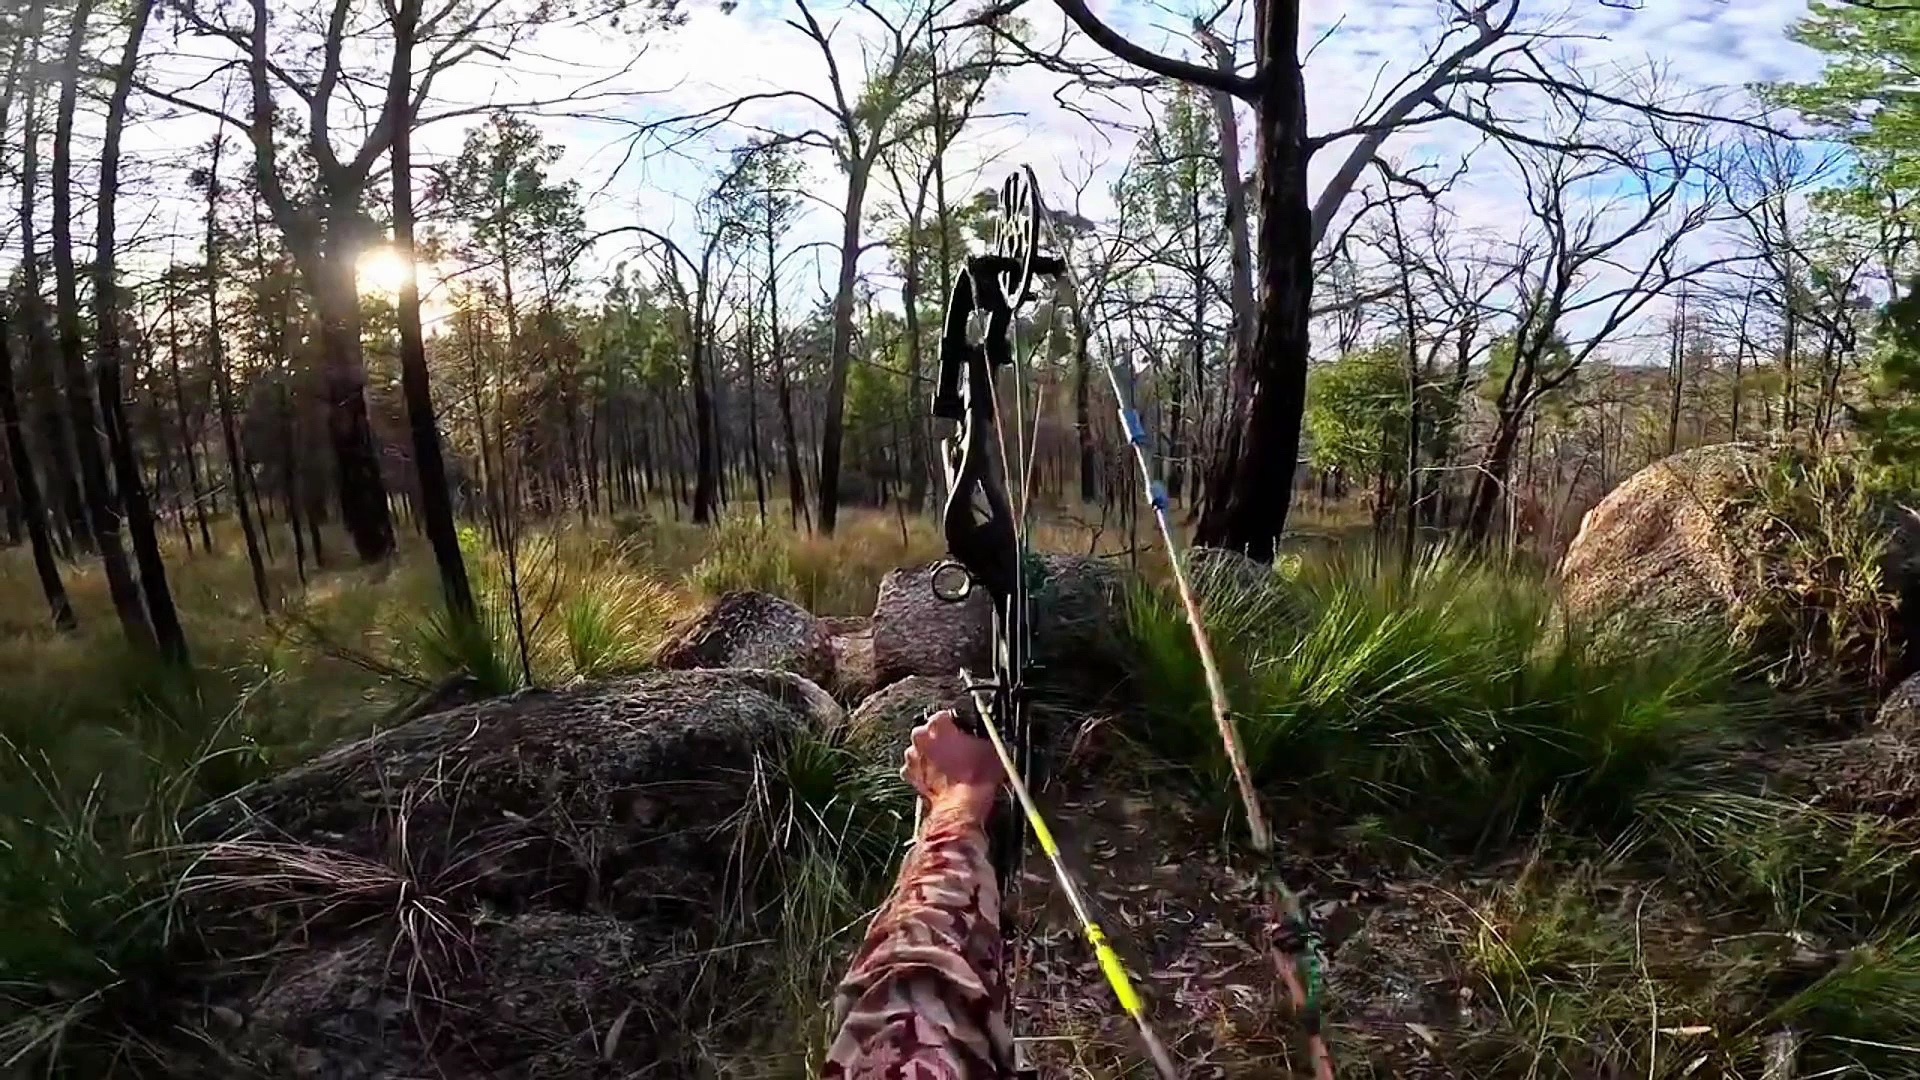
1876 773
1754 544
753 630
505 889
1900 713
1076 611
879 727
1654 555
850 637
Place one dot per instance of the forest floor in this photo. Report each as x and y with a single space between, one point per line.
1525 861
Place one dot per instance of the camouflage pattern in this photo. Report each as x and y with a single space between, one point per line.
925 998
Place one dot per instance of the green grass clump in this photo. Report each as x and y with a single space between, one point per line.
820 842
1444 697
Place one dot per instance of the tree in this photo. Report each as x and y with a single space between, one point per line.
103 510
436 501
163 619
26 485
866 120
1356 418
1172 191
1480 55
1584 268
761 195
217 357
314 174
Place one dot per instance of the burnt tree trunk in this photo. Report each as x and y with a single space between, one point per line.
1250 481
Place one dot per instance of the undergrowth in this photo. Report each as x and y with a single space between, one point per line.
1444 713
1672 916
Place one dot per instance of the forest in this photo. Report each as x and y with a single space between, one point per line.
415 410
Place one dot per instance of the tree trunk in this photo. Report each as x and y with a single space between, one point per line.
363 490
223 389
1234 189
1082 406
841 359
1250 481
163 619
436 501
180 416
31 509
31 506
1491 480
706 482
68 510
102 511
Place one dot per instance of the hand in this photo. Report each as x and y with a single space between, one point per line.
947 765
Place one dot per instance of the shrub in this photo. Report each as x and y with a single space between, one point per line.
1444 696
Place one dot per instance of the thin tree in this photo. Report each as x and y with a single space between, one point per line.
222 379
103 512
164 620
436 501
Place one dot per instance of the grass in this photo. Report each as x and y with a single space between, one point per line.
1444 716
1444 698
1617 872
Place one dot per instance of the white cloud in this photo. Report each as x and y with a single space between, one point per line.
1360 47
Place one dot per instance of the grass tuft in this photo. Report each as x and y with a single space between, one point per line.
1445 697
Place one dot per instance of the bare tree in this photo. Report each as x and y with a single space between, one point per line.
1589 263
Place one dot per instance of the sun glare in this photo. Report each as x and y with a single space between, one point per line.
382 271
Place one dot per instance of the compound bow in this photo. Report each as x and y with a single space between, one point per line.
986 545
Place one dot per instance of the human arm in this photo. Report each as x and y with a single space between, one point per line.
925 995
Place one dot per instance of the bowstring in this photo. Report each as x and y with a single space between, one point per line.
1303 977
1105 956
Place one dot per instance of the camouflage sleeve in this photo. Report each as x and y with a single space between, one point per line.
925 998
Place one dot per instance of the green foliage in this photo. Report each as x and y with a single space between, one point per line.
1890 423
1821 602
1861 95
819 843
1445 699
1356 413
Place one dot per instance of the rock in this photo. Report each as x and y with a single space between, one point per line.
850 637
917 633
1708 543
1076 609
494 890
1653 556
1899 714
1876 774
753 630
878 729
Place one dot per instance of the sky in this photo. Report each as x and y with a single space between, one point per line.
1072 138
